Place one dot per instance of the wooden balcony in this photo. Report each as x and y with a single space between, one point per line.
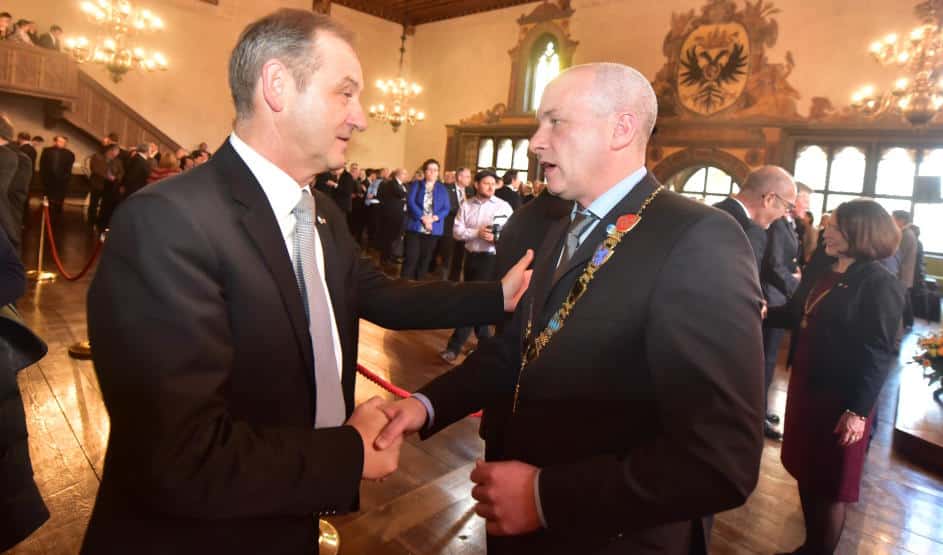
73 95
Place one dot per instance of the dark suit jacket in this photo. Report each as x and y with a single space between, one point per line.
205 364
55 166
50 42
137 170
343 194
510 196
9 167
639 412
853 348
755 234
31 152
779 263
18 194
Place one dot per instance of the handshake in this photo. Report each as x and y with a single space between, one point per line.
504 490
382 426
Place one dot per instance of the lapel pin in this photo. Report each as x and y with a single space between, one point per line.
321 220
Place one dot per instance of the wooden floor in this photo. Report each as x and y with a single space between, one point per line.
426 507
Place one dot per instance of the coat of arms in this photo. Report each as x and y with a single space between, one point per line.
713 68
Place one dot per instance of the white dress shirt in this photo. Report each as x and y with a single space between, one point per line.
476 213
283 194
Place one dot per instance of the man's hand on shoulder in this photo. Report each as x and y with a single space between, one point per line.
514 283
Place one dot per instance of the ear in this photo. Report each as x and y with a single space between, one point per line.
276 85
625 130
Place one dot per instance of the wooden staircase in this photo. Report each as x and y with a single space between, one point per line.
73 96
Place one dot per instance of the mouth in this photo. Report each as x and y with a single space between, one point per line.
548 167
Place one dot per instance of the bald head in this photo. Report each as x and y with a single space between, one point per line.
768 192
613 88
769 179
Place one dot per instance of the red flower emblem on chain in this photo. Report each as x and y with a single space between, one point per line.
626 222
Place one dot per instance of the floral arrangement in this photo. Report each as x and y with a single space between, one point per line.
931 359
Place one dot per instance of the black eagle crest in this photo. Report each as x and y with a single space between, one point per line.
710 73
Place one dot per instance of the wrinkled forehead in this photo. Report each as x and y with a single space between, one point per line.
339 62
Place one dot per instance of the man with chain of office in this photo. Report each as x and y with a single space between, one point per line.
623 402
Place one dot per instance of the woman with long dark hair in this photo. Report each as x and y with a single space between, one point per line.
427 205
844 318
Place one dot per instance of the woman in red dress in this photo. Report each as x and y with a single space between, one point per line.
844 318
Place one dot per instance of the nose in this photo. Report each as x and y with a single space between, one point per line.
539 141
357 118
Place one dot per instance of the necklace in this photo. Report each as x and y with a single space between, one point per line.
810 305
534 345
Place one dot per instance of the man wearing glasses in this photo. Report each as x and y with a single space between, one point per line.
779 273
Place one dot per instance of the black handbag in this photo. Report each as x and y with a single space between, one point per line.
19 346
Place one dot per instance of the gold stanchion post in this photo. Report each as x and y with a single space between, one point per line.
329 541
39 274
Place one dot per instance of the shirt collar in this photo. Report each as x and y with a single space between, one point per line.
608 200
744 206
282 192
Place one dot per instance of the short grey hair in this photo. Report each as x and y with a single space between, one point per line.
618 87
287 35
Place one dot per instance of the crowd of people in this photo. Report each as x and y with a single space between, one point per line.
26 31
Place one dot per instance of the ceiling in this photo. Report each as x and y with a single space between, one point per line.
417 12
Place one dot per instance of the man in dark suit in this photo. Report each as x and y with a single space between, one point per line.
224 315
137 170
508 192
455 183
763 199
55 169
53 39
779 277
392 195
9 167
632 417
24 144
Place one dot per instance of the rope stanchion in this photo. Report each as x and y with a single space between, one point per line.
39 274
55 251
395 390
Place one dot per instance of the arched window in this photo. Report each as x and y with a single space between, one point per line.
545 65
707 183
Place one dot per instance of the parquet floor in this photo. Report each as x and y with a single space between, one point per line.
426 508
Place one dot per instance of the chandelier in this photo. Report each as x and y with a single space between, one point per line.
119 22
918 95
398 92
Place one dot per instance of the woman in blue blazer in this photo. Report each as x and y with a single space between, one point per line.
427 204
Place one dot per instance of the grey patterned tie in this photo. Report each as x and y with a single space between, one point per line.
581 221
330 396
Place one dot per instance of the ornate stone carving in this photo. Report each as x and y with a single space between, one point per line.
488 116
717 66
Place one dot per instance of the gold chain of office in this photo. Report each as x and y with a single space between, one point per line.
534 346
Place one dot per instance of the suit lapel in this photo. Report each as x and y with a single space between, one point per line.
630 204
544 266
262 228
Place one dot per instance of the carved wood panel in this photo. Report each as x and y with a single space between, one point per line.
37 72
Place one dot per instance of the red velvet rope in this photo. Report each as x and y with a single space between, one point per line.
398 391
55 252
